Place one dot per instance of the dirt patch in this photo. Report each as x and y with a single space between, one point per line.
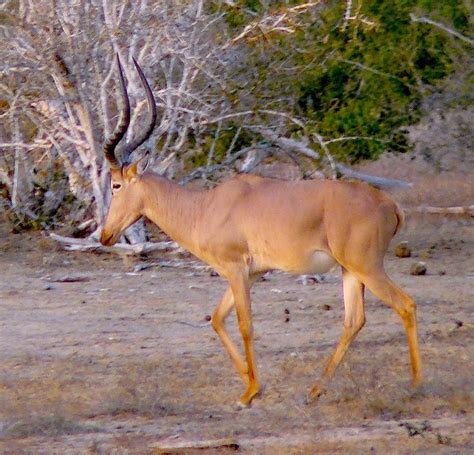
116 360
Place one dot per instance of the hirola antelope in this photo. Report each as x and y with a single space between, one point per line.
249 225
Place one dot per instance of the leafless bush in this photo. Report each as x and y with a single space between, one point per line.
57 87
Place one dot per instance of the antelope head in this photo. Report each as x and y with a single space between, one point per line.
126 205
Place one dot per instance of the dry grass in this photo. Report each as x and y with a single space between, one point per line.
57 397
430 185
441 191
53 398
50 401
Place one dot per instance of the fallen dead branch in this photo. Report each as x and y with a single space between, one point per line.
205 171
379 182
170 446
194 326
73 244
288 144
174 263
67 279
85 225
458 210
299 146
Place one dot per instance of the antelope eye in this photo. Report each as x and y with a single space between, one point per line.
116 187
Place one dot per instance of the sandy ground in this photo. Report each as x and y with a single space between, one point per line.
124 362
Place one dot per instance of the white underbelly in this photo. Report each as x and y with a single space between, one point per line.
313 263
320 262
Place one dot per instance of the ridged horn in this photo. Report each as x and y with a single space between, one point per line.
151 122
112 141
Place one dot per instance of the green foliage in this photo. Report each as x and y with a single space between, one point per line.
366 80
223 141
220 142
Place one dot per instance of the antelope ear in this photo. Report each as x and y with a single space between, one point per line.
137 168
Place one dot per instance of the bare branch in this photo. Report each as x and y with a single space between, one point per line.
210 156
427 20
378 72
327 153
204 171
282 22
33 145
373 180
288 144
347 15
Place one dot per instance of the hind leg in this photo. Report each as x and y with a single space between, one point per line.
354 320
386 290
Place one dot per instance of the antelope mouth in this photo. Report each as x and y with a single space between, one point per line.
106 238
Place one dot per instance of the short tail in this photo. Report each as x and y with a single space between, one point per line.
400 218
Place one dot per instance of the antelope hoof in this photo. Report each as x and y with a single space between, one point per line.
314 394
416 386
246 399
239 406
416 381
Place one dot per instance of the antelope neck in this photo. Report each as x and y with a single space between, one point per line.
173 208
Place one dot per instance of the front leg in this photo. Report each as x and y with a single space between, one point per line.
240 285
218 323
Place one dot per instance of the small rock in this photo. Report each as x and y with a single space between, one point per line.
68 278
195 286
310 279
418 268
426 254
326 307
402 250
287 311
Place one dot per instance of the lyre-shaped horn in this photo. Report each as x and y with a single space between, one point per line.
112 141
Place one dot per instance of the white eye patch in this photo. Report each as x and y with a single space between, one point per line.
116 187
